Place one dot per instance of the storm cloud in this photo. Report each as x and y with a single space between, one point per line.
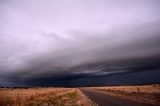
51 41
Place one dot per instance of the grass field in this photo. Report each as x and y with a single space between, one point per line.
42 97
148 89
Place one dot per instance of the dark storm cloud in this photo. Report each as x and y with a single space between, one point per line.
52 40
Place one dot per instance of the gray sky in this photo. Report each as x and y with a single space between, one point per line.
41 36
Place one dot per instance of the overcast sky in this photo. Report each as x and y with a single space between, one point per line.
47 36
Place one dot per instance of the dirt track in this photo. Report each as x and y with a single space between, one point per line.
107 100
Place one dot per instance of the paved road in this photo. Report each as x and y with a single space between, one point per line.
107 100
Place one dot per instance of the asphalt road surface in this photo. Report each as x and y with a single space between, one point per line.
107 100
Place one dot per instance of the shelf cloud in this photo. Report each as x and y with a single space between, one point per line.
75 39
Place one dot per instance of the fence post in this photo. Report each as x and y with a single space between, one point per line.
138 90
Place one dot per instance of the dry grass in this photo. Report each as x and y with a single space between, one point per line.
73 97
68 98
43 97
147 89
18 97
